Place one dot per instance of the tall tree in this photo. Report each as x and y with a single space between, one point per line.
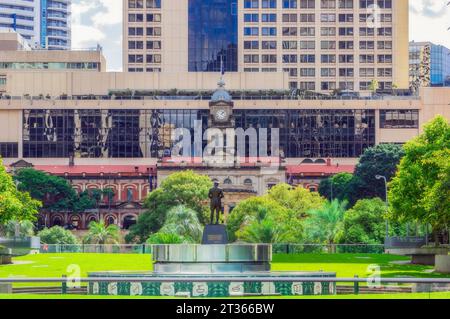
14 204
101 234
382 159
184 222
420 191
338 187
184 188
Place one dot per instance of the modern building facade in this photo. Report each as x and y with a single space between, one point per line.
43 23
429 65
323 45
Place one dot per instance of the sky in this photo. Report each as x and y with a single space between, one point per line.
100 22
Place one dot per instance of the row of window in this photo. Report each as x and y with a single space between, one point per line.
149 58
326 17
343 72
305 31
150 31
304 45
343 85
139 4
49 65
311 58
139 17
139 45
9 150
311 4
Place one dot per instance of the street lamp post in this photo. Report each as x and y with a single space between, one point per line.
378 177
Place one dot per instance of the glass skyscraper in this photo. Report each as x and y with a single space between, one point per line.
213 35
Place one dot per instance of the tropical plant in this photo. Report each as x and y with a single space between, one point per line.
420 191
166 239
324 223
25 228
184 222
101 234
337 187
57 235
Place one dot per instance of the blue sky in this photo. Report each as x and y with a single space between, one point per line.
100 21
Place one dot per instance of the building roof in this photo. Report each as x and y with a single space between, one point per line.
314 169
95 169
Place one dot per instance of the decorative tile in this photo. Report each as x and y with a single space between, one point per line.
151 288
200 289
252 287
283 288
218 289
236 289
136 289
167 289
268 288
308 288
317 288
297 288
112 289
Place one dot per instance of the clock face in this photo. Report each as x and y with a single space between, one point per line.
221 115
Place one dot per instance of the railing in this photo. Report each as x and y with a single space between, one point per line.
276 248
356 281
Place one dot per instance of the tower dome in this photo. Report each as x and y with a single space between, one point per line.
221 95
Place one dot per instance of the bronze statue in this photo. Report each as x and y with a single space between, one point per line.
216 195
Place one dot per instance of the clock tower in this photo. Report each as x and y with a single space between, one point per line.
221 108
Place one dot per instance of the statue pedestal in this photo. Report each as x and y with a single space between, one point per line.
215 235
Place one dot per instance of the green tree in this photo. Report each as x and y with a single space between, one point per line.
337 187
15 204
420 191
55 192
184 222
324 223
382 159
184 188
101 234
57 235
364 223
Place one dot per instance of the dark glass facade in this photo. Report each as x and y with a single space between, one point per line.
9 150
148 133
213 35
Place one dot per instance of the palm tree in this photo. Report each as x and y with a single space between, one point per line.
184 222
263 231
101 234
25 228
324 223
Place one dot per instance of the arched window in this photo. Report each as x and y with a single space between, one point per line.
128 221
248 182
227 181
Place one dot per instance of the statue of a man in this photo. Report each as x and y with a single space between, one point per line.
215 195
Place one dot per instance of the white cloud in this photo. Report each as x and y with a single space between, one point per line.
85 36
112 15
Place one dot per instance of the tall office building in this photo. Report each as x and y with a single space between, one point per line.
323 45
429 65
44 23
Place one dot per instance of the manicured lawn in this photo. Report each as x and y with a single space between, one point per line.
345 265
349 265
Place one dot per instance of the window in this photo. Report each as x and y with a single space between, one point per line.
153 4
327 72
385 4
268 17
366 45
367 72
327 17
135 31
135 58
153 31
384 72
289 45
347 86
307 17
346 72
289 4
307 58
327 4
293 72
289 31
251 4
384 58
328 58
366 58
135 4
153 17
251 31
328 86
251 45
307 4
346 58
328 45
307 31
269 58
384 31
290 58
307 45
384 45
135 45
307 72
345 4
328 31
366 32
345 45
269 4
153 58
309 86
135 17
251 17
269 45
251 58
346 31
2 80
269 31
289 17
399 119
153 45
9 150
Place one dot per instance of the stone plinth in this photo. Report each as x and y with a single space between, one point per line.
420 256
215 235
442 264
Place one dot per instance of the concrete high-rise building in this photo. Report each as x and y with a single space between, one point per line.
429 65
323 45
43 23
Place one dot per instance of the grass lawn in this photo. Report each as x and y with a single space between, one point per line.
345 265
